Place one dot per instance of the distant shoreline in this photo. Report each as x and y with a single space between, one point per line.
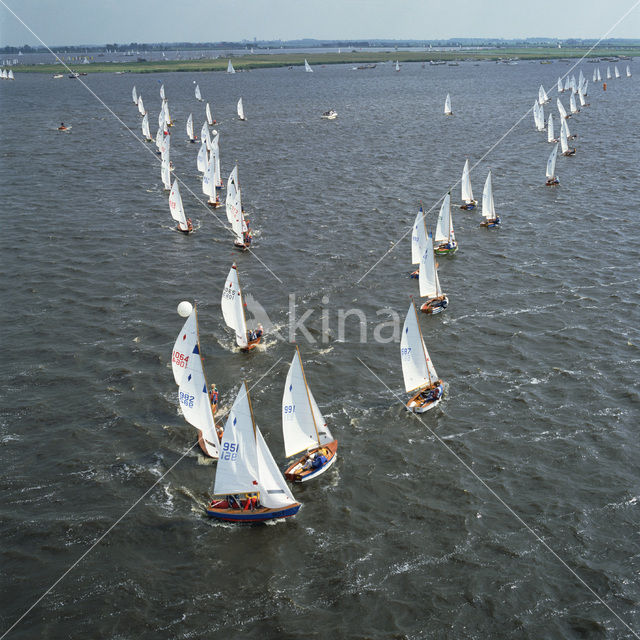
263 61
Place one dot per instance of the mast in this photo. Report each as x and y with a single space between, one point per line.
422 342
450 220
306 386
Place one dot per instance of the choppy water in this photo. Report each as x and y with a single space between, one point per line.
539 349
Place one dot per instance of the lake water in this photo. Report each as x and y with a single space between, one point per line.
539 349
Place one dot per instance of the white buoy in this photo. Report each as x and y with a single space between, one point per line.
185 308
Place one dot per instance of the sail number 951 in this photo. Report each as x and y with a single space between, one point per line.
229 451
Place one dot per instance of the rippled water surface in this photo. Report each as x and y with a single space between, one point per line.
539 349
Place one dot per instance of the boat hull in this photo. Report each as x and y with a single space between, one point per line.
415 405
261 514
491 224
468 206
431 307
444 251
252 345
294 472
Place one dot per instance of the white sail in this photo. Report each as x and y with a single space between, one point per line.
146 132
198 94
230 68
583 102
550 134
444 225
237 470
165 172
447 105
10 75
175 205
301 425
538 116
274 491
162 92
202 157
566 129
417 369
608 73
233 188
241 110
167 115
162 120
542 95
560 89
599 76
573 107
141 109
195 403
397 65
561 109
232 307
159 138
628 72
615 71
595 77
208 114
488 207
205 137
563 137
551 163
428 278
190 127
185 342
208 180
307 66
418 237
134 95
567 83
165 146
215 150
467 191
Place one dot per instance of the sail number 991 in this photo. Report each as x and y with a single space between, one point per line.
289 410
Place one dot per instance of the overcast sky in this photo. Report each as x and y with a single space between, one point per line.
60 22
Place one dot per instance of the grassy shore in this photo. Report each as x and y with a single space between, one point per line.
260 61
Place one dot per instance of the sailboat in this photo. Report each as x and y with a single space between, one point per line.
598 73
444 229
230 68
203 157
215 151
429 282
418 240
235 214
209 183
167 115
307 66
134 95
583 102
608 73
468 202
595 77
198 94
560 87
190 134
397 65
141 109
538 116
177 210
563 141
248 487
241 110
542 95
233 313
210 119
561 110
162 95
10 75
628 72
304 428
420 377
573 107
491 219
194 399
552 179
550 132
165 172
567 83
146 132
447 106
615 71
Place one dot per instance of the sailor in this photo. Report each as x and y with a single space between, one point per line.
213 396
189 225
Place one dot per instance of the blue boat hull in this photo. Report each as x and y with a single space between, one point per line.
260 515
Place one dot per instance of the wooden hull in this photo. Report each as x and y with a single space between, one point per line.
261 514
417 405
431 306
295 473
444 251
490 224
468 206
252 345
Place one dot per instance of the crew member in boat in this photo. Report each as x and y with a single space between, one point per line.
189 225
432 394
551 181
252 336
447 246
315 460
467 206
213 396
62 127
415 274
434 303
